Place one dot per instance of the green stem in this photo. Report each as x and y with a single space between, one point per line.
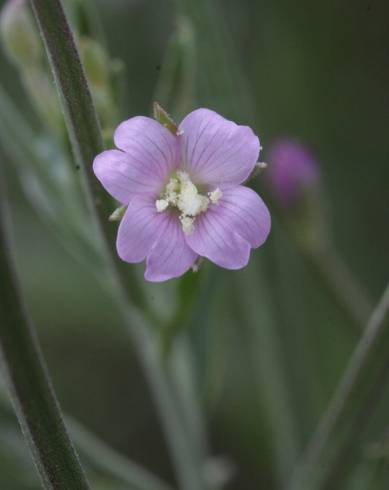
341 285
82 124
86 138
29 385
354 389
311 234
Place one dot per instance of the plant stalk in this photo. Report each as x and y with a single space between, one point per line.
29 384
85 134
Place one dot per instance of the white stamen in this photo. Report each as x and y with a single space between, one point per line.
181 193
187 224
161 205
215 195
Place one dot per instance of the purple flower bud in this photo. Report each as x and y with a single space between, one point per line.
292 170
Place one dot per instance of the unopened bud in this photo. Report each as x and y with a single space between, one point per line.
294 181
292 172
19 33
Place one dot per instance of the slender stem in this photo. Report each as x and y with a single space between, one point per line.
86 138
359 376
322 257
82 124
341 284
29 385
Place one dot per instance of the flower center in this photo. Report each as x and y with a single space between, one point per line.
181 193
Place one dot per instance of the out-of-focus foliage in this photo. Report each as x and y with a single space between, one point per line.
269 343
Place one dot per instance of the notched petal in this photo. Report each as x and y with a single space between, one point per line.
217 151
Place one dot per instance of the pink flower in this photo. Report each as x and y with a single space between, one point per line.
183 193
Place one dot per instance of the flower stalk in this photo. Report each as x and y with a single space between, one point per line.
86 140
340 283
29 385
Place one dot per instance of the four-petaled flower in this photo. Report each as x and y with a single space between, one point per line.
184 193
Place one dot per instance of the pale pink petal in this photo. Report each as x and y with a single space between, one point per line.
214 239
170 256
215 150
123 176
139 229
153 147
246 213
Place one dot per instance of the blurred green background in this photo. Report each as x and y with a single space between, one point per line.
269 343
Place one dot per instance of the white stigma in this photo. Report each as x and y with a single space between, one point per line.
190 202
180 192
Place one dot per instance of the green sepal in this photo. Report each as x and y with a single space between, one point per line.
164 118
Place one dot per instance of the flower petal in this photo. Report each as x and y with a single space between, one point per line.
170 256
214 238
216 151
122 176
151 147
246 213
139 229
